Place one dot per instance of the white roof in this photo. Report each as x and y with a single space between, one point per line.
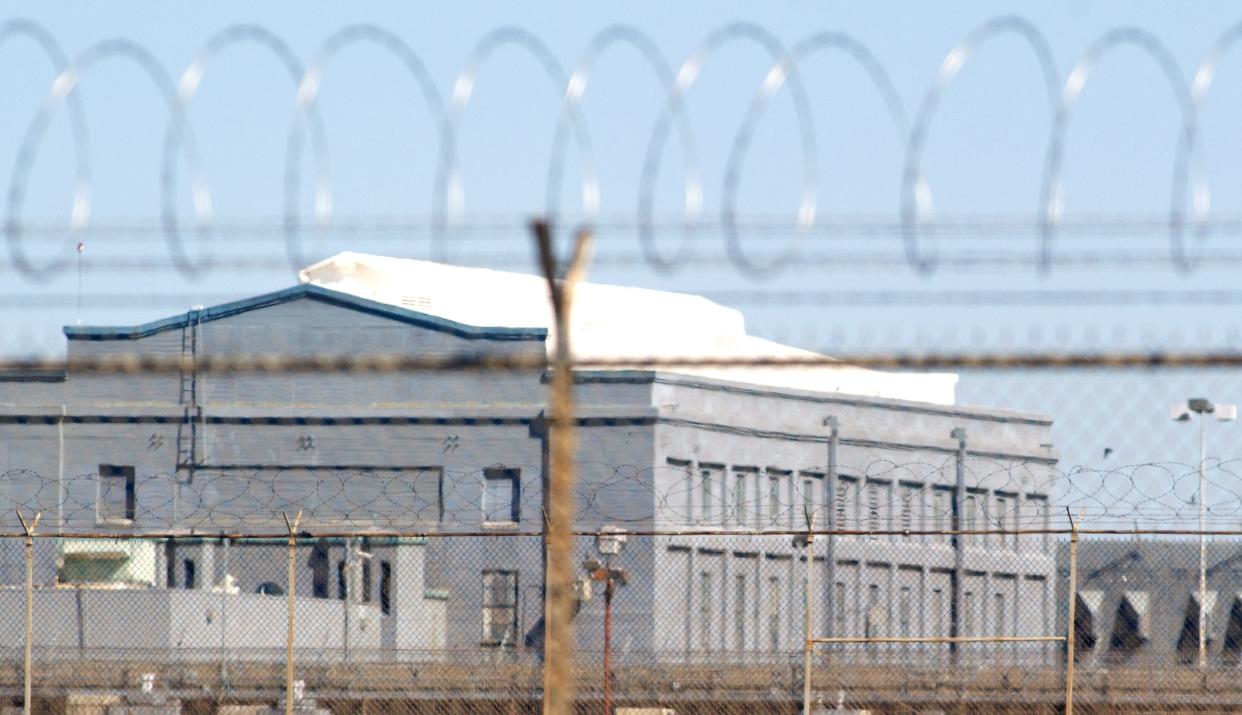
610 322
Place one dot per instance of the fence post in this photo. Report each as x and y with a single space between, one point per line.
29 528
808 613
292 595
958 542
558 662
830 603
1073 607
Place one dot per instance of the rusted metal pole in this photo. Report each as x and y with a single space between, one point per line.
808 615
558 670
29 528
1070 626
608 587
292 595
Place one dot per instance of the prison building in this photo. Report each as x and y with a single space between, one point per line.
725 462
1137 603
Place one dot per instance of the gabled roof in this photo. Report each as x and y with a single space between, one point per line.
309 292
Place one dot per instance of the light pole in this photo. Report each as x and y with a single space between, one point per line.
609 543
1181 413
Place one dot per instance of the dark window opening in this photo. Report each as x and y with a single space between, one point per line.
319 565
1188 639
170 563
189 572
366 581
342 581
1127 629
1084 628
385 587
116 493
1231 649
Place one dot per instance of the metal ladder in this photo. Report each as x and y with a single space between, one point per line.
187 430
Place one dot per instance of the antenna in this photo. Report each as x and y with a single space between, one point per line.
81 247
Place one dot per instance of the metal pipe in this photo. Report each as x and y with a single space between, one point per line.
608 588
29 528
834 438
1201 616
1071 625
959 557
808 616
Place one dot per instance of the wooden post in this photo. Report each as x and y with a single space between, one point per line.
558 663
292 595
1070 626
29 528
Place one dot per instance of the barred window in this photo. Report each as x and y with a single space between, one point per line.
500 589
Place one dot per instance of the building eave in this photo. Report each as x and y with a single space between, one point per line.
311 292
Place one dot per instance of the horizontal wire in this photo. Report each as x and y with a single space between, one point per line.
138 363
774 297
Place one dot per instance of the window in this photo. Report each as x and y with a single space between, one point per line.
845 492
873 506
908 497
971 519
189 574
170 563
342 580
941 512
682 487
774 613
501 496
707 497
706 596
811 484
1040 513
429 494
385 588
873 609
998 628
774 496
838 609
270 588
938 612
740 508
739 612
500 589
903 611
366 581
319 564
1001 519
116 493
968 613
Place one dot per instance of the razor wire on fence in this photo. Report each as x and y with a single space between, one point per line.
915 225
880 497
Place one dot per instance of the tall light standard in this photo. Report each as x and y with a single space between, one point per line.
1181 413
608 543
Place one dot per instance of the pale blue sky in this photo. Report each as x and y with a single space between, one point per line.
984 156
